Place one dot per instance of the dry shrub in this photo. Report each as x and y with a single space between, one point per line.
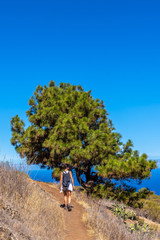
27 210
151 208
107 226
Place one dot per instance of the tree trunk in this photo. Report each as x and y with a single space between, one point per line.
80 180
88 174
86 185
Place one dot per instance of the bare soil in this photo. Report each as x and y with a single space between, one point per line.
75 228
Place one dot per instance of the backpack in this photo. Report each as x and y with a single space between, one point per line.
66 179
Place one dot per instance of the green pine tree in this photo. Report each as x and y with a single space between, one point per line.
69 126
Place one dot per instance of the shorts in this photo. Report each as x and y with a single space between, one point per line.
69 188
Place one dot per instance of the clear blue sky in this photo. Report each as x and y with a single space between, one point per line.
110 47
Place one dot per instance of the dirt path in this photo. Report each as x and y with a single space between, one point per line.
75 228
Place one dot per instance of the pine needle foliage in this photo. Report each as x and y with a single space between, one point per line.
69 126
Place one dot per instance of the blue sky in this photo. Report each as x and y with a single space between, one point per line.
110 47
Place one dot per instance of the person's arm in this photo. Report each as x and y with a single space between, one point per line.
61 180
71 178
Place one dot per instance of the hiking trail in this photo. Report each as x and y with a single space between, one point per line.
75 228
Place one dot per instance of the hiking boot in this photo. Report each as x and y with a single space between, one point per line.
65 207
69 207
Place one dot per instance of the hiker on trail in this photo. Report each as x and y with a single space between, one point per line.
67 186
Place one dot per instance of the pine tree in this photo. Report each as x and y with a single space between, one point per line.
69 126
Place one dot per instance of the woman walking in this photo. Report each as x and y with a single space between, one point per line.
67 186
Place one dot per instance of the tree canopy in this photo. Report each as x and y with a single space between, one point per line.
69 126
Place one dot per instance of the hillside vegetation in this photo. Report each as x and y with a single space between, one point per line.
112 220
151 208
26 211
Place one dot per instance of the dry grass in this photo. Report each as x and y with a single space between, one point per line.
26 210
106 226
151 208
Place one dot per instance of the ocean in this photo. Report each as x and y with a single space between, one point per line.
44 175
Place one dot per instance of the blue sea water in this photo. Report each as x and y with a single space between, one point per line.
153 183
44 175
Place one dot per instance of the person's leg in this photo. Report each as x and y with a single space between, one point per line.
69 197
69 200
65 198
